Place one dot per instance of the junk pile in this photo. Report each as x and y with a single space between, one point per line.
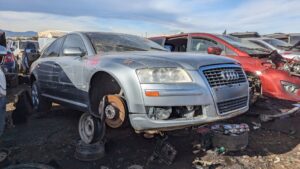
230 137
223 137
163 152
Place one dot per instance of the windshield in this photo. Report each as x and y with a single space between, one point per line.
244 45
277 43
112 42
29 45
294 39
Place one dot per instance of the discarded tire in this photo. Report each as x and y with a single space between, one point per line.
230 142
89 152
30 166
91 129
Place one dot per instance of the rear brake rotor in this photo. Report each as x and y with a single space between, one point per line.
115 111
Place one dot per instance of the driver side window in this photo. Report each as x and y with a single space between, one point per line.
201 44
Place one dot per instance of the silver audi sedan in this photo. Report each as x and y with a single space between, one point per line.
118 77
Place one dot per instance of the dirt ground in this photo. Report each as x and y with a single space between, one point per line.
51 139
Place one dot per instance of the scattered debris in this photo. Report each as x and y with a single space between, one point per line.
89 152
256 125
268 117
205 138
163 152
201 164
230 137
277 160
231 129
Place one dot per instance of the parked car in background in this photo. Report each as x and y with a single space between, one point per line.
286 50
18 47
291 38
26 52
2 101
8 63
268 73
114 76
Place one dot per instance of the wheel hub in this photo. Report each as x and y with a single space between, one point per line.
110 112
115 111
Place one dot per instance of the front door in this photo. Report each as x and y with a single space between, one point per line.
71 72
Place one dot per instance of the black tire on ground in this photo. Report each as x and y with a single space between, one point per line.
91 129
39 103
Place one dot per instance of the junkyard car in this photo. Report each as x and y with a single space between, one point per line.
8 63
18 46
117 75
291 38
268 73
286 50
2 101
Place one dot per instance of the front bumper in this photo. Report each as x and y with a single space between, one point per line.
272 87
143 123
199 93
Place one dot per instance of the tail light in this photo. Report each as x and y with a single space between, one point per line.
9 58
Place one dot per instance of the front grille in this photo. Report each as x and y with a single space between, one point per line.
230 105
214 76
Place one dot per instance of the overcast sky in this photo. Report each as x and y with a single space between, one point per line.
151 16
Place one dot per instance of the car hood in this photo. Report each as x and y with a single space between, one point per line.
190 61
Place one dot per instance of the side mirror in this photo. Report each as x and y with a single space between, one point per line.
73 52
214 50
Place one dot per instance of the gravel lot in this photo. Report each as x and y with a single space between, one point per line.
51 139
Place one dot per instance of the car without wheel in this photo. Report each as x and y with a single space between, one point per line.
113 77
268 73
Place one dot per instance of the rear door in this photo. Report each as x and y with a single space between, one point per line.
46 67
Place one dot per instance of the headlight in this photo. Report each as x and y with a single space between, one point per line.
289 87
163 75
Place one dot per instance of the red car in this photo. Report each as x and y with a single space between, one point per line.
268 73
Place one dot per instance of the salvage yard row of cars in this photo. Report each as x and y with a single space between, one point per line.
158 84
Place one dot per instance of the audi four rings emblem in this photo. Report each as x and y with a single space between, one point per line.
229 75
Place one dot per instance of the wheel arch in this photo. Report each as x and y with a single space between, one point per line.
102 76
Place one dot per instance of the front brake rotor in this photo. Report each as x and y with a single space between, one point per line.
115 111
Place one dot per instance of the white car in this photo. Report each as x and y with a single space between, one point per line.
285 49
